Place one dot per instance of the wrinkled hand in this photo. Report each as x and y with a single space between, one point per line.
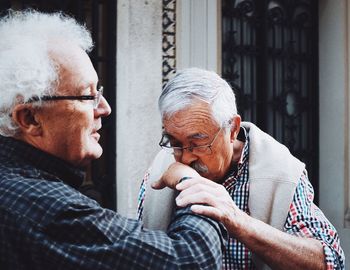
211 199
173 175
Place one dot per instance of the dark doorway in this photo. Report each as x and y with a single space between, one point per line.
270 58
100 18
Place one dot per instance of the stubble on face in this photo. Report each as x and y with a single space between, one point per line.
200 168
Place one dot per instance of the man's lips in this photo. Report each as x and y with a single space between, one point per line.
95 134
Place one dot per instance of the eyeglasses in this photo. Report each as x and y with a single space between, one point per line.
96 98
198 150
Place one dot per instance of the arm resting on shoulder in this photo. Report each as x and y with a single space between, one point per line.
278 249
90 237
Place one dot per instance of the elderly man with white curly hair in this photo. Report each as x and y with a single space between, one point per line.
237 174
50 115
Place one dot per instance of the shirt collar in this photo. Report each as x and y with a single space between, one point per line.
237 169
18 151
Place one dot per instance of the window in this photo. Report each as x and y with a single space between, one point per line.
270 58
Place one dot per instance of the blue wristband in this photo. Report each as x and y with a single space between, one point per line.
185 178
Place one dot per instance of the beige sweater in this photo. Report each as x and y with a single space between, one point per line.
273 176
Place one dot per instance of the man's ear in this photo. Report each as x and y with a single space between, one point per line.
235 126
25 117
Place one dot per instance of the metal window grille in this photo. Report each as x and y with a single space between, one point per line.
270 58
169 39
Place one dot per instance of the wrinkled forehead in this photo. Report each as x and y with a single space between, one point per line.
75 69
195 118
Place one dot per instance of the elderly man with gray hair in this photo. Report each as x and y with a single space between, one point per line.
50 115
233 172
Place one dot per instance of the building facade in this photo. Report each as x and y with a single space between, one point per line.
141 43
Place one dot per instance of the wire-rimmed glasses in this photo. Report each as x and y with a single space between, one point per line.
166 144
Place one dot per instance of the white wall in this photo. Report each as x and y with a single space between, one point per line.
334 125
139 82
198 37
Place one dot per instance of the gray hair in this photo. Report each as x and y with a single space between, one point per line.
193 84
26 69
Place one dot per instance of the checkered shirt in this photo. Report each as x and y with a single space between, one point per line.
304 219
45 223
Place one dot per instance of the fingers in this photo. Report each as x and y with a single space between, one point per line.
196 180
173 174
208 211
198 197
212 200
202 191
195 185
199 191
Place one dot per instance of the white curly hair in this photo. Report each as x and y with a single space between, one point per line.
193 84
26 69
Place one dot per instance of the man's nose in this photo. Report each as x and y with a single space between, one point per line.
103 109
187 157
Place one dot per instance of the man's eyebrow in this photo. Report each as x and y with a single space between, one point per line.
198 136
192 136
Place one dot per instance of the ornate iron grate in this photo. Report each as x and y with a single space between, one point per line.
169 39
270 58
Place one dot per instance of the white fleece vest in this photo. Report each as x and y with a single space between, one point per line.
273 176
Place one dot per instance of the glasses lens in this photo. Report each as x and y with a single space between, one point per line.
166 145
165 142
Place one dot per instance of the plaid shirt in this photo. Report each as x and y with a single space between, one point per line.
304 219
45 223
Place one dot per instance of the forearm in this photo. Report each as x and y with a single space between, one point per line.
281 250
192 242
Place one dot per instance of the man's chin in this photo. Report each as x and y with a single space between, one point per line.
96 150
87 158
97 153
